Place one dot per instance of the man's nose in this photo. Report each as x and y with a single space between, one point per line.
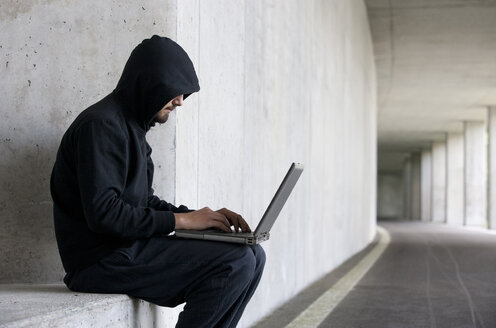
178 101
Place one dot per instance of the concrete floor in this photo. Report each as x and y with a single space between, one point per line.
430 275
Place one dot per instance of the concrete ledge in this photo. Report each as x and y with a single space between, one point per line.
28 305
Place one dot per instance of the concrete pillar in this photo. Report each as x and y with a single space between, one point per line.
439 181
407 189
426 185
491 206
475 174
454 184
415 187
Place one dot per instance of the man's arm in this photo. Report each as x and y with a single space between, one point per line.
101 151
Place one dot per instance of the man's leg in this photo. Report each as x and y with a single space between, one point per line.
216 280
238 290
236 311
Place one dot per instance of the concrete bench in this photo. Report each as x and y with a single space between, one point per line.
53 305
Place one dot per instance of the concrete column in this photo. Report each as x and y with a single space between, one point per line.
439 181
454 184
407 189
475 174
415 187
491 208
426 185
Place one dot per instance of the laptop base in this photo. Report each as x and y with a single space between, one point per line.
233 237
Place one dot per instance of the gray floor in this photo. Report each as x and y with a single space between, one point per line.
289 311
429 276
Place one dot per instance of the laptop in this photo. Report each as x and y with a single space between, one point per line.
262 232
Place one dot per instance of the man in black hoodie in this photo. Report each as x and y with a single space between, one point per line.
113 232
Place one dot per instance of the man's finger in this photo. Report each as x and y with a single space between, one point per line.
235 219
220 225
239 223
246 227
227 215
236 225
222 219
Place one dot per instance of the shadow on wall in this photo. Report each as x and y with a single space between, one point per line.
28 247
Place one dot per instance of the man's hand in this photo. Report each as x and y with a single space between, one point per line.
235 219
206 218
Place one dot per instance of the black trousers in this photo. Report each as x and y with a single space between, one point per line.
215 279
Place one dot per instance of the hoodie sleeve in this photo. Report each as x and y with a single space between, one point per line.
101 166
154 201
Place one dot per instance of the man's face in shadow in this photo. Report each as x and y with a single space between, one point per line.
163 115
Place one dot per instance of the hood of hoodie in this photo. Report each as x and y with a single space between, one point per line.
157 71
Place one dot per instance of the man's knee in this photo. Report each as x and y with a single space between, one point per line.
244 265
259 253
253 262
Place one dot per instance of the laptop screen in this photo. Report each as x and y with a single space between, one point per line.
280 198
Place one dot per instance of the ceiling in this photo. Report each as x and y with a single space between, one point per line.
436 67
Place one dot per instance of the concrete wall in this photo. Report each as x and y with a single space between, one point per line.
57 59
455 202
281 81
390 196
426 185
439 181
475 174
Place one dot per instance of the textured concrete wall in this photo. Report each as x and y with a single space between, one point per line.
491 128
455 203
475 174
439 181
426 185
390 196
57 58
415 188
282 81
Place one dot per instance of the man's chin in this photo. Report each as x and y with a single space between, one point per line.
160 121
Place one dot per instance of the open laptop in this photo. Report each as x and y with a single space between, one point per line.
262 231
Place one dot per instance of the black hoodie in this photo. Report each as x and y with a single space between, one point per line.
102 177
